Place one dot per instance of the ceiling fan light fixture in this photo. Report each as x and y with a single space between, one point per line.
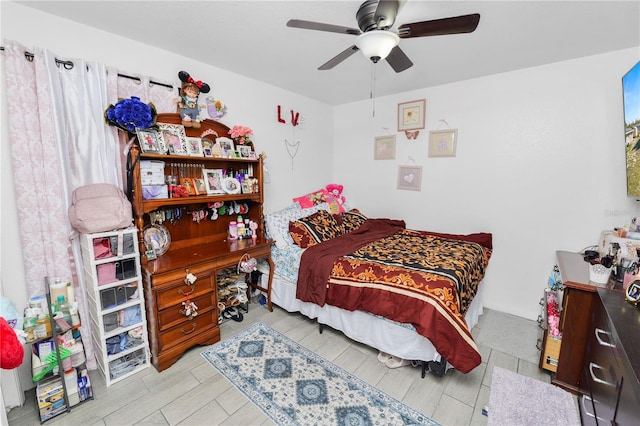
377 44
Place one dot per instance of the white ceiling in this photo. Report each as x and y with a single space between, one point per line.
251 38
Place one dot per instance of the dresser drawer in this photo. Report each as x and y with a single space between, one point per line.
174 294
189 329
172 316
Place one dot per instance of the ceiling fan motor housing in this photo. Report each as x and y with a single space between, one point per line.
367 20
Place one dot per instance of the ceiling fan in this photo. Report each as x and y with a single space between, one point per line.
377 41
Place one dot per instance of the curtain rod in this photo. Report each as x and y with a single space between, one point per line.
69 65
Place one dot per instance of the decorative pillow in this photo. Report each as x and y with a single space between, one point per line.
351 220
277 223
323 195
311 230
311 199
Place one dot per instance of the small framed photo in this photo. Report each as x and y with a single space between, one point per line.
211 148
227 147
244 151
411 115
410 178
194 147
213 181
384 148
150 142
199 186
174 138
442 143
632 294
188 185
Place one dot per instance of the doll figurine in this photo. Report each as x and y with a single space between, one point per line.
188 101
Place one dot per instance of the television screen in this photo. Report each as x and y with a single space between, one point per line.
631 98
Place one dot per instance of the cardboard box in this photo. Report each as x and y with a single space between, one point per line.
152 172
551 353
155 192
50 398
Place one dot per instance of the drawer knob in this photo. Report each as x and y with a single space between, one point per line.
598 332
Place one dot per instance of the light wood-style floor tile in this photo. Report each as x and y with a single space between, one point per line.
191 392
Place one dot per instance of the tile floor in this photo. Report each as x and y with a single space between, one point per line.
191 392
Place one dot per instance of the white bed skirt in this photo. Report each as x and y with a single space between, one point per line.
383 335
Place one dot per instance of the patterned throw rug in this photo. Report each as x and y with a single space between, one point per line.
294 386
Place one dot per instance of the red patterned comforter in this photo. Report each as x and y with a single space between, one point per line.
415 277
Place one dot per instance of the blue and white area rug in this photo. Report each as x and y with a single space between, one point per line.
294 386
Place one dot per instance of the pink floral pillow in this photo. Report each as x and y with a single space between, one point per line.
312 198
320 196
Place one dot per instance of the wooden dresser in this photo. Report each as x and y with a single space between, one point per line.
199 243
612 366
171 332
599 357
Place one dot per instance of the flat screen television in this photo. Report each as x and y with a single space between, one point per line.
631 101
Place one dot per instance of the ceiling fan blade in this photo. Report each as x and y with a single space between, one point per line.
398 60
454 25
339 58
386 13
319 26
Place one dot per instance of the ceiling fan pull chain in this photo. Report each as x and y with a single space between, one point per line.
295 145
373 89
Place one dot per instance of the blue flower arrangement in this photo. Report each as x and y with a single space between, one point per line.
131 114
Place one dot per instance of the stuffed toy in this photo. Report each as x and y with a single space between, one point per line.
188 102
11 350
336 190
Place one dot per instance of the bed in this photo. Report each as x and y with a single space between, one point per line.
412 294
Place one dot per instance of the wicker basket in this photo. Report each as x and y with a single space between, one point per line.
599 274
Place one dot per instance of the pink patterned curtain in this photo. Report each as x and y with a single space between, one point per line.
59 141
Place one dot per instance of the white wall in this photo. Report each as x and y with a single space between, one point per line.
251 103
540 164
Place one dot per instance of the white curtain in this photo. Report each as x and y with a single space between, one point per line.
59 141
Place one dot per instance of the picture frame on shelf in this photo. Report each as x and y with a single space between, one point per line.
194 147
199 186
632 293
213 181
150 142
384 147
188 185
206 147
174 138
410 178
227 147
244 151
411 115
442 143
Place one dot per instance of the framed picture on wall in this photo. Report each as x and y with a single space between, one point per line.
442 143
384 148
410 178
411 115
